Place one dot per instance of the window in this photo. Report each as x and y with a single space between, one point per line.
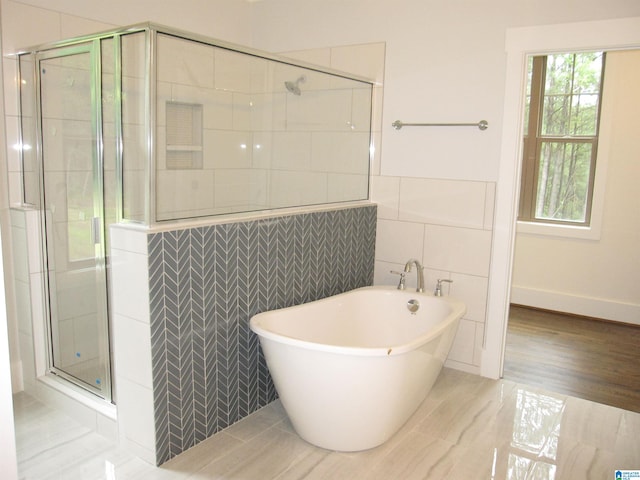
561 137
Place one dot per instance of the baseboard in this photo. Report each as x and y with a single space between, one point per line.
577 305
463 367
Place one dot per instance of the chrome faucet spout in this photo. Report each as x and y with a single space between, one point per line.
419 272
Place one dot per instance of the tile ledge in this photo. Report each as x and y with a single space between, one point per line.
244 217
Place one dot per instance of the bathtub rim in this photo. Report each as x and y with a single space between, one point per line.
458 309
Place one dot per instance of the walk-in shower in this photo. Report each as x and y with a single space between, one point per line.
150 125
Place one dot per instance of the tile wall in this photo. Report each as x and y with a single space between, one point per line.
447 225
28 277
197 367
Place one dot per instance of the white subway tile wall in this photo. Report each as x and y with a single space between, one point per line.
131 336
447 225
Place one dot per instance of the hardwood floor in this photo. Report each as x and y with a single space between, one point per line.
586 358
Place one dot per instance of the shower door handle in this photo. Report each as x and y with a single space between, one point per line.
96 230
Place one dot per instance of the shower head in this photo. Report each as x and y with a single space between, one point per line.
294 87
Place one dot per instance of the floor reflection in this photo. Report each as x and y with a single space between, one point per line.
468 427
536 426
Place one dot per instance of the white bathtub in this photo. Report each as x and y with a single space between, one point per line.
351 369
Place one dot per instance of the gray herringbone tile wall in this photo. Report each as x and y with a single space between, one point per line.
206 283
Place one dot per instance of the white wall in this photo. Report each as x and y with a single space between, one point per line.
600 277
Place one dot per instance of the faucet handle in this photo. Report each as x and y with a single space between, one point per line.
438 291
402 278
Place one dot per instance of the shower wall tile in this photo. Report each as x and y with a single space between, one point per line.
10 76
240 187
292 151
218 105
386 192
263 112
330 110
130 241
133 338
447 225
340 152
236 71
129 270
443 202
242 111
23 305
490 200
474 290
262 148
185 62
133 112
129 283
173 183
205 285
399 241
465 336
12 132
346 187
463 250
135 418
297 188
226 149
133 56
361 118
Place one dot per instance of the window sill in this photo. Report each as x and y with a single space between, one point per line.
554 230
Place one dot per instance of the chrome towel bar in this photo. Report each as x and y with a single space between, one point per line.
482 124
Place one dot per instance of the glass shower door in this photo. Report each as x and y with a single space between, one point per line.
73 212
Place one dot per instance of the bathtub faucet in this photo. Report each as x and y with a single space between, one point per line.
438 291
402 279
419 271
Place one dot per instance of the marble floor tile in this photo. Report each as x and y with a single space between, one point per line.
468 428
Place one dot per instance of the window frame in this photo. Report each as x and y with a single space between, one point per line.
533 142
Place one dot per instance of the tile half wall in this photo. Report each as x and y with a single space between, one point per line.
206 283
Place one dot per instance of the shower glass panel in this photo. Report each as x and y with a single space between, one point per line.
73 214
237 132
28 134
134 126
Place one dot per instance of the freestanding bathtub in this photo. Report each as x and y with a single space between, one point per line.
351 369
